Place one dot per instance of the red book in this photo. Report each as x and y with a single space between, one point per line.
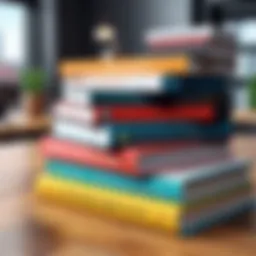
203 112
134 160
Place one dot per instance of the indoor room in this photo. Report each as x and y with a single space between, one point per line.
127 127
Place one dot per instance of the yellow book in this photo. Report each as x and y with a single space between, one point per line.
130 66
115 204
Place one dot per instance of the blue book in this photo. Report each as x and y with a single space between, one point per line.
114 135
180 186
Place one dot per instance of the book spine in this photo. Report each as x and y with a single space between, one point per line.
192 95
138 84
153 187
114 98
75 153
91 136
99 115
150 66
173 35
193 86
156 187
130 208
178 42
125 134
117 135
74 95
191 112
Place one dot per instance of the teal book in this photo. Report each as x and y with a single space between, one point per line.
180 186
122 134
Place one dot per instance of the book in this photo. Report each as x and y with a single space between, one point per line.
118 135
56 215
188 186
212 50
191 88
139 210
219 98
139 159
108 203
179 36
118 114
146 83
130 66
204 39
82 98
81 88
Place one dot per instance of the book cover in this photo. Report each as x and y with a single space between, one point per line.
145 211
183 186
192 38
163 86
139 210
123 134
130 66
184 36
147 84
139 159
82 98
118 114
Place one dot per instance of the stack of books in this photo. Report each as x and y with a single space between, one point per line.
147 148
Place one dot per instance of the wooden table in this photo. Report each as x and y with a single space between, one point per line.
51 231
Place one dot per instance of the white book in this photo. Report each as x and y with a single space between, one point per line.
146 83
74 94
74 112
94 136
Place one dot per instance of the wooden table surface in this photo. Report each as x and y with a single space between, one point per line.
32 230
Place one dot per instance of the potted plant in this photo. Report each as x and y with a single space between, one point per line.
32 84
252 93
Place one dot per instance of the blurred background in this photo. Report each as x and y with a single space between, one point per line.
41 33
38 34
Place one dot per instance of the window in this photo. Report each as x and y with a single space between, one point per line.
13 34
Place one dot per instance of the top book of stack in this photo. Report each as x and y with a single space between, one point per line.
211 49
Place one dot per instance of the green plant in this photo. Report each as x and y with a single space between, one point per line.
252 93
33 80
